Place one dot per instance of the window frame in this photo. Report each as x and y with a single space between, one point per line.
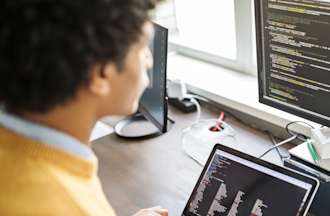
245 61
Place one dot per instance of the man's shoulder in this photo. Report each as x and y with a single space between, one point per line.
27 187
43 181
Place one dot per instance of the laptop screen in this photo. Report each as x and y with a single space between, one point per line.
234 186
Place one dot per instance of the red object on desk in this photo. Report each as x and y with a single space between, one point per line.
217 127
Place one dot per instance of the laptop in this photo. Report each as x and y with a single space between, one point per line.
236 184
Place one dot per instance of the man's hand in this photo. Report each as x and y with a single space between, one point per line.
155 211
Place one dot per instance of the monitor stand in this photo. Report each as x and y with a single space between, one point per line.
136 126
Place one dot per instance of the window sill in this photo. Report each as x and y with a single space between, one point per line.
235 90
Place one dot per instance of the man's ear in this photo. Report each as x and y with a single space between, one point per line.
100 83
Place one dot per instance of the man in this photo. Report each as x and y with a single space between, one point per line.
64 65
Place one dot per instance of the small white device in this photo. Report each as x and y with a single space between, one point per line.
321 141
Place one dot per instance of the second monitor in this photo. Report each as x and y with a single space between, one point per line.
151 118
153 104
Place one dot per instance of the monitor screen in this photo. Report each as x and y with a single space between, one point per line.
232 185
153 104
294 56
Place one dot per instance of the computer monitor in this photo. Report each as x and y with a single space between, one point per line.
293 54
151 118
153 104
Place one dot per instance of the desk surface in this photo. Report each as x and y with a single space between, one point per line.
142 173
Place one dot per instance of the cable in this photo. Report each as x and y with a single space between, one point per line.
272 138
300 136
294 135
199 97
198 106
177 89
186 151
214 104
278 145
190 147
277 148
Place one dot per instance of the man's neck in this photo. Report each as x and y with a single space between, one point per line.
75 120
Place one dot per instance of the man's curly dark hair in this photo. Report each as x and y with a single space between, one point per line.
47 47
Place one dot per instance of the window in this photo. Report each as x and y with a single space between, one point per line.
217 31
209 27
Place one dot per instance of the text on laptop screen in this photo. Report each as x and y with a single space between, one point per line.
233 186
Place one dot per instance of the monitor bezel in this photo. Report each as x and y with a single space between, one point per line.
286 171
260 65
162 126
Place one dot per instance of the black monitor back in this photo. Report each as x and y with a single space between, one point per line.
153 104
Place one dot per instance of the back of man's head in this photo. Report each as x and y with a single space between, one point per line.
47 47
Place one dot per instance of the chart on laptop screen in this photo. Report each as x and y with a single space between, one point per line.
233 186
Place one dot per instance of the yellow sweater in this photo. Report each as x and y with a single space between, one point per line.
39 180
